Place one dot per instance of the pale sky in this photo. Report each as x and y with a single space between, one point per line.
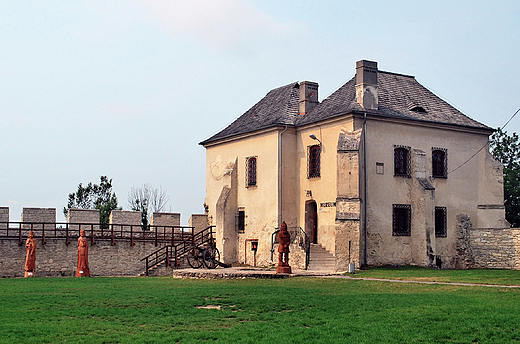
128 88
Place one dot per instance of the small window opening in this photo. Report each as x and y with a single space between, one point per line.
241 221
314 161
402 220
418 109
440 222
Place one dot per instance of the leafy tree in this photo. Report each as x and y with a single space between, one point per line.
147 200
506 149
94 196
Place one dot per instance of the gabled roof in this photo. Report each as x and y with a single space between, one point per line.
278 107
400 96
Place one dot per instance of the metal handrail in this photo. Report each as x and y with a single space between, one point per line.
178 250
94 231
302 238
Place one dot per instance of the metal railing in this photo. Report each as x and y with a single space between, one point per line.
298 236
173 253
113 232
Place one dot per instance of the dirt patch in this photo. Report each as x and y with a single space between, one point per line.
209 307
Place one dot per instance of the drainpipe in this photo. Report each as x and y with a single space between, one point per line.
280 177
365 182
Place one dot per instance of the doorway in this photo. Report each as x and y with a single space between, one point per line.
311 221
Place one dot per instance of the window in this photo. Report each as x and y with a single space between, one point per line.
401 220
440 222
314 161
402 161
241 221
380 168
439 163
251 171
419 109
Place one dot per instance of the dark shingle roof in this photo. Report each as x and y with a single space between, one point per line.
278 107
398 94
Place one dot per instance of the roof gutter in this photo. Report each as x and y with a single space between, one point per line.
280 176
365 186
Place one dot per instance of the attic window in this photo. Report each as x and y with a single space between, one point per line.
418 109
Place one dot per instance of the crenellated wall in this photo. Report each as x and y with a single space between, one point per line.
55 258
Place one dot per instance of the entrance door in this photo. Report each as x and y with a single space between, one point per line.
311 221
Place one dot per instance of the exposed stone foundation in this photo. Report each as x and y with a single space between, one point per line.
495 248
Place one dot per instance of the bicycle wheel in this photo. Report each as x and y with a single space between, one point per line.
194 258
211 257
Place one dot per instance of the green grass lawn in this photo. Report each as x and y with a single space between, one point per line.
293 310
496 276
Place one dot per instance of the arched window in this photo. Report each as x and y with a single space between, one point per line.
401 161
314 161
439 165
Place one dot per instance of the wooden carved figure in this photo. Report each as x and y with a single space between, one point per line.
30 256
83 269
284 238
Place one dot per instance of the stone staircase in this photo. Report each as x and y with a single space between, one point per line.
320 259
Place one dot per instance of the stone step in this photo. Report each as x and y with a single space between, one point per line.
320 259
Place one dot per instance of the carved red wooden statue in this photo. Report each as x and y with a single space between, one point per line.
284 238
82 269
30 256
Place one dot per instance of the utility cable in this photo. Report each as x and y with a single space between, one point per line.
481 148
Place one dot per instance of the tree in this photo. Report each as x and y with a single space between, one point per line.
94 196
147 200
506 149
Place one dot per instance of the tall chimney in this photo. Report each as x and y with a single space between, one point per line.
366 84
308 96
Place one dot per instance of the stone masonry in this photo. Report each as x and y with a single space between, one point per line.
495 248
4 217
118 218
55 258
83 216
199 222
38 215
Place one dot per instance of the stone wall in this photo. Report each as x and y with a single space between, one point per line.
4 217
83 216
199 222
55 258
124 217
166 219
494 248
516 240
41 215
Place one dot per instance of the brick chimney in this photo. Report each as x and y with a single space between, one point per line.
366 84
308 96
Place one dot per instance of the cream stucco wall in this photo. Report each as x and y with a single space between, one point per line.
323 189
473 188
460 193
260 202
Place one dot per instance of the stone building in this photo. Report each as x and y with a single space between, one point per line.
381 172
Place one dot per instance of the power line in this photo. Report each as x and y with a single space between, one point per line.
481 148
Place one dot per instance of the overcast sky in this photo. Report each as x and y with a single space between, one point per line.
128 88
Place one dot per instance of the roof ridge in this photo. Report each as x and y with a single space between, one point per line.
398 74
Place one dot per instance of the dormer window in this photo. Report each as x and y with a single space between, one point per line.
419 109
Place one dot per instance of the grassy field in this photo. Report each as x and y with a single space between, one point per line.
501 277
295 310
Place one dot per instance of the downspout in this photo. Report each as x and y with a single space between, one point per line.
365 185
280 176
